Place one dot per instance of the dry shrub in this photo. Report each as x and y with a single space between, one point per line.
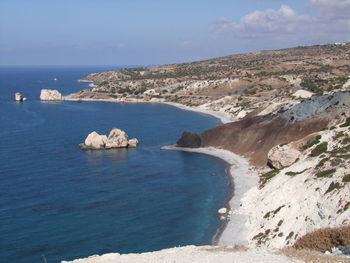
313 256
325 239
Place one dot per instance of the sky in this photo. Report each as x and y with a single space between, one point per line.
152 32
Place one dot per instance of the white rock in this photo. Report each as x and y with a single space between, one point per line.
117 139
19 97
282 156
49 94
95 141
151 92
347 84
222 211
241 114
132 143
304 94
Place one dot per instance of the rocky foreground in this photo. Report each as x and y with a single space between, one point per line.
192 254
210 254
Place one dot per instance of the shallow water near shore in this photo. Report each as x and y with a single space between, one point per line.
64 203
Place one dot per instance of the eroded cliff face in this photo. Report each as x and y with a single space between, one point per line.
253 137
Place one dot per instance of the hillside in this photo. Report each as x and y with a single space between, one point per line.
237 84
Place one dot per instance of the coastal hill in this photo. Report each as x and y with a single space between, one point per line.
231 84
288 113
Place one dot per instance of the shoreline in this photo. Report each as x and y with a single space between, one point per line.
222 116
242 180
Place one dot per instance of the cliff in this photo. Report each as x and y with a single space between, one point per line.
255 136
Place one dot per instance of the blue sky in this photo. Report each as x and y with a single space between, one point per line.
140 32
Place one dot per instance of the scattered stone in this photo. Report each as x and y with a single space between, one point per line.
50 95
222 211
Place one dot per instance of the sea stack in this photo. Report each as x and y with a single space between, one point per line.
19 97
116 139
50 95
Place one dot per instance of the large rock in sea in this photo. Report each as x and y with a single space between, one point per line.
94 141
50 95
189 139
117 139
282 156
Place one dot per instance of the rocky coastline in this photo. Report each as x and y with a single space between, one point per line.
285 135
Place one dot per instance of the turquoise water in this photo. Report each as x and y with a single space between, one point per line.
64 203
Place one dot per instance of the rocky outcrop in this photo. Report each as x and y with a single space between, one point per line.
95 141
190 140
317 104
50 95
116 139
282 156
19 97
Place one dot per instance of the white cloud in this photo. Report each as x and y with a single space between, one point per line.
336 9
329 21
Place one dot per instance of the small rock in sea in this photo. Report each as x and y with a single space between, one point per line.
116 139
222 211
133 143
222 218
19 97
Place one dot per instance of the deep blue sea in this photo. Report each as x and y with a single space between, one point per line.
62 203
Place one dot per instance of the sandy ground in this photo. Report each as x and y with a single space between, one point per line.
193 254
222 116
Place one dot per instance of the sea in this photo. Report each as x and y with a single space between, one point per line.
58 202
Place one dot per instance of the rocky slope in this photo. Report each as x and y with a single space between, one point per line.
255 136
